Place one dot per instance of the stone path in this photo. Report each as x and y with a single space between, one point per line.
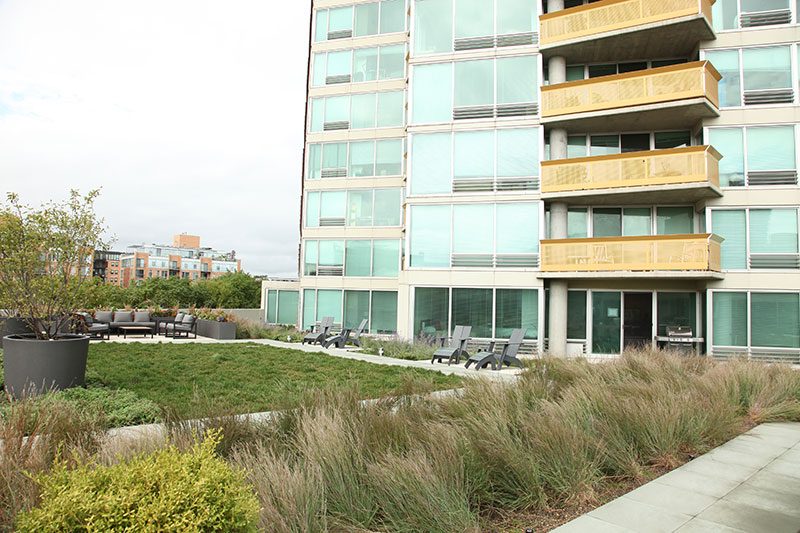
750 484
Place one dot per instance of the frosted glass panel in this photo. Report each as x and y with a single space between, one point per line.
767 68
474 18
773 231
517 80
358 258
430 236
392 62
433 26
474 154
393 16
431 163
390 109
386 258
474 85
473 229
730 143
730 88
365 64
771 148
387 207
516 16
518 228
731 226
432 93
518 153
389 159
362 157
329 303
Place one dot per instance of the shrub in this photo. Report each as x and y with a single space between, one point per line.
164 491
246 329
398 348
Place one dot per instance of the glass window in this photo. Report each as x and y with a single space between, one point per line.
731 226
356 308
359 207
474 18
517 228
331 253
432 93
672 139
634 142
340 63
431 311
431 165
363 112
366 19
730 143
384 312
725 14
730 318
595 71
332 204
775 320
358 258
517 309
340 19
311 258
314 161
288 302
362 157
389 160
430 236
576 72
312 210
576 315
517 80
675 220
321 26
676 309
604 145
474 81
576 146
773 231
329 303
577 223
433 26
727 63
607 222
767 68
606 316
516 16
770 148
309 308
386 259
636 221
474 154
393 62
337 109
387 207
473 229
272 307
320 65
365 64
473 307
390 109
518 153
393 16
317 114
334 156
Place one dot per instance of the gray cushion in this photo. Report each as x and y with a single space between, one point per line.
123 316
104 316
188 320
141 316
179 317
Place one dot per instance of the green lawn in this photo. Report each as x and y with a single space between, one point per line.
192 379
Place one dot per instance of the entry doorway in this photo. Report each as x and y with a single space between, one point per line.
637 323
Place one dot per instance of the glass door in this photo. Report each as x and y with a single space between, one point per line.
637 326
606 322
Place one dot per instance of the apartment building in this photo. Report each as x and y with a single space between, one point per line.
594 172
185 258
106 266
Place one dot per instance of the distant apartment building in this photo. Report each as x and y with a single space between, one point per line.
185 258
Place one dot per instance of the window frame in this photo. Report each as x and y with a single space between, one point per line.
307 242
794 20
315 290
322 57
349 96
353 21
401 192
374 175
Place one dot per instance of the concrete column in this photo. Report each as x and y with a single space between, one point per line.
558 317
557 69
558 220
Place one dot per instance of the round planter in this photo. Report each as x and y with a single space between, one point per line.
33 366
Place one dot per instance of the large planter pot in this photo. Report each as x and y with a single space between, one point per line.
12 326
33 366
224 331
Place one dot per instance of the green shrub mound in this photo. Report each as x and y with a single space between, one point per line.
165 491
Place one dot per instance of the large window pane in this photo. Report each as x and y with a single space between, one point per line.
321 26
604 145
334 156
337 109
607 222
517 80
577 223
332 204
773 231
473 307
317 114
725 14
359 208
329 303
576 315
312 210
730 143
576 146
320 66
331 253
433 26
432 93
393 62
365 64
389 160
340 19
517 309
516 16
677 309
775 320
517 228
727 63
356 308
362 158
474 154
431 165
731 226
675 220
288 302
384 312
314 161
390 109
430 236
311 258
272 307
474 83
309 308
636 221
767 68
366 19
474 18
363 114
340 63
606 315
358 258
730 319
431 307
770 148
386 259
518 153
473 229
393 16
387 207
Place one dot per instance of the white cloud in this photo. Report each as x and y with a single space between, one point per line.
188 113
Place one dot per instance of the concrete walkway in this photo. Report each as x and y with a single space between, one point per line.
750 484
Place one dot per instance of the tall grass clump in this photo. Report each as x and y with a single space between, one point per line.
418 350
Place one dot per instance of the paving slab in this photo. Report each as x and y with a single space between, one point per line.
672 499
777 482
767 499
704 526
750 519
692 481
589 523
632 514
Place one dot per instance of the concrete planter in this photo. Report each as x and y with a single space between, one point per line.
34 366
12 326
224 331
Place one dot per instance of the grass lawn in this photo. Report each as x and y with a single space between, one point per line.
198 379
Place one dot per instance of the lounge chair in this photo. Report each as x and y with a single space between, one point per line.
88 325
347 335
505 355
187 326
321 332
457 347
162 325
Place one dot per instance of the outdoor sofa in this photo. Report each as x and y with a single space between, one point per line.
118 319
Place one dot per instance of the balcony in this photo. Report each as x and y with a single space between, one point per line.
664 98
618 30
660 256
658 176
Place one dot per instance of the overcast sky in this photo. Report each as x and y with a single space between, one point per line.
188 113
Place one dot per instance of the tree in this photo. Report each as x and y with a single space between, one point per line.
46 258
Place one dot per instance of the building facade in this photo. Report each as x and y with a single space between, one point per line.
106 266
593 172
185 258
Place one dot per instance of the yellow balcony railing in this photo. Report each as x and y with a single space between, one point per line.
693 164
649 253
613 16
652 86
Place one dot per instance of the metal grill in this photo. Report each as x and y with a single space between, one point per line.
473 43
472 260
494 261
765 261
341 34
517 110
517 261
765 18
769 96
517 39
331 222
333 80
333 126
334 173
772 177
331 271
473 112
